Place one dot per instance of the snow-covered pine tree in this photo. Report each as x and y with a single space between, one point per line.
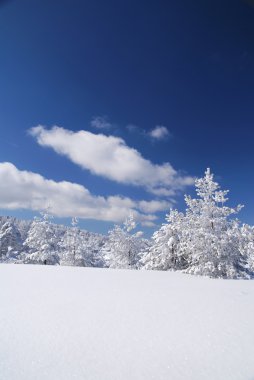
92 247
205 240
74 245
122 248
211 239
164 253
41 241
247 245
10 241
71 246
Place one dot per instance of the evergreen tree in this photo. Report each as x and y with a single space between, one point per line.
69 244
204 240
211 239
10 241
122 248
80 248
247 245
164 252
72 246
41 241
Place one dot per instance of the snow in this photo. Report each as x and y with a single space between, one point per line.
99 324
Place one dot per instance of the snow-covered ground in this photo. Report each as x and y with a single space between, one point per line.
99 324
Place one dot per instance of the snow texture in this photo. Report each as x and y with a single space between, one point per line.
99 324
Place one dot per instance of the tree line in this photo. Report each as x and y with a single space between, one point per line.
207 239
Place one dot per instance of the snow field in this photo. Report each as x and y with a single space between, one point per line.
99 324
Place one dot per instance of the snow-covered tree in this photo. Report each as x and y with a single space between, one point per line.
247 245
92 249
72 246
65 240
81 248
10 241
69 244
211 238
204 240
41 241
165 252
74 243
122 248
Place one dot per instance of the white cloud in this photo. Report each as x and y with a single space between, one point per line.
154 206
100 122
28 190
159 132
110 157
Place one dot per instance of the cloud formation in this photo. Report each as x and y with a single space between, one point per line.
154 206
111 158
100 122
159 133
22 189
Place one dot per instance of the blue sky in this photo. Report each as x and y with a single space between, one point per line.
161 91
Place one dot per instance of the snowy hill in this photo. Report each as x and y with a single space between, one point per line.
99 324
